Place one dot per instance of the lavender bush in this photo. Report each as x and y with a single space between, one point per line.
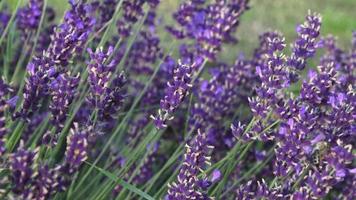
96 107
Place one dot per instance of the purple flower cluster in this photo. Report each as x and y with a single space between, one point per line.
77 148
28 18
315 135
305 45
62 92
209 25
196 158
176 92
176 121
67 40
104 95
70 37
32 180
4 90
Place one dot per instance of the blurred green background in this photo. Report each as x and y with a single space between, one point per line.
339 19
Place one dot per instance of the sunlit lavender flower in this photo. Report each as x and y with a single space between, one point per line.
196 158
63 90
305 45
28 18
70 36
76 151
177 90
273 75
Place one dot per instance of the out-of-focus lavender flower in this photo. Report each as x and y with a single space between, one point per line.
70 37
34 123
63 90
305 45
44 183
209 25
106 11
28 18
113 98
44 39
3 130
133 10
196 158
177 90
21 166
76 151
4 19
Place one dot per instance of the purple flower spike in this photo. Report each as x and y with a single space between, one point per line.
188 185
70 37
21 168
77 148
28 18
40 71
305 45
107 98
63 90
177 90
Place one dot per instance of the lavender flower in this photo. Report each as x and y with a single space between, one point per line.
63 92
21 163
76 151
305 45
40 72
177 90
107 98
113 98
4 19
28 18
44 183
70 37
188 185
210 26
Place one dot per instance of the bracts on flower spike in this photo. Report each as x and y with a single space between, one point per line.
4 90
305 44
77 148
63 92
189 185
177 90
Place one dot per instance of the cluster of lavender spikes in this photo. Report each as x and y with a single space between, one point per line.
126 119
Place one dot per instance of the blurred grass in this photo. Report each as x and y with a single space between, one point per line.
339 19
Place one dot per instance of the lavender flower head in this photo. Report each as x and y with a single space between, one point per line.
175 93
4 89
189 185
306 44
105 95
21 167
28 18
63 92
77 148
70 37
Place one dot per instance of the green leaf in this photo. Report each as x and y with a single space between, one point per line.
124 184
